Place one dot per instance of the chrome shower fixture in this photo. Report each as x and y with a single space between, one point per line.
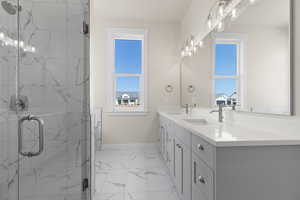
10 8
9 42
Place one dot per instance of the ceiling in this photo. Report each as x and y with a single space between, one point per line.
142 10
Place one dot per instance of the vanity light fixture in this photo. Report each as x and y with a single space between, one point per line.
220 27
221 9
201 43
209 22
217 12
182 53
234 14
8 41
191 47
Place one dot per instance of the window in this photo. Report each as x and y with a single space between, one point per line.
127 70
226 77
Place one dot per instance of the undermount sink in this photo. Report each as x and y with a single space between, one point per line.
197 121
174 113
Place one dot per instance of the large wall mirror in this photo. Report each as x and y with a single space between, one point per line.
248 57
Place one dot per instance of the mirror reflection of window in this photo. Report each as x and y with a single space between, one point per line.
226 79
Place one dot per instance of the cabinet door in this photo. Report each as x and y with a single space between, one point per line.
183 170
170 151
202 183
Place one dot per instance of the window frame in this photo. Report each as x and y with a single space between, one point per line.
127 34
238 40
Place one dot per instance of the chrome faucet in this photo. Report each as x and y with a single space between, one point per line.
189 108
220 111
186 108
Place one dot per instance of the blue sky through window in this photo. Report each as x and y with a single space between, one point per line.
128 60
128 84
128 56
225 65
226 60
225 86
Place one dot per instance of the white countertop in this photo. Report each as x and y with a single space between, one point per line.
229 134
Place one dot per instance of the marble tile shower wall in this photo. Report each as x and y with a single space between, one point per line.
55 79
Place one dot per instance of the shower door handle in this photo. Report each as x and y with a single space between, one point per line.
41 135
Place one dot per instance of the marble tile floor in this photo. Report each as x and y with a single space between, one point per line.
132 172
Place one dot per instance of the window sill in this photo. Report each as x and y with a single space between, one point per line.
126 113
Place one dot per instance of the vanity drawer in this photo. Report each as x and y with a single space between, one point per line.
204 150
203 180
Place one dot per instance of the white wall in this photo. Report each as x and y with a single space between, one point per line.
194 22
163 69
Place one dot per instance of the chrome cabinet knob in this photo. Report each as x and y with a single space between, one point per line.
201 179
200 147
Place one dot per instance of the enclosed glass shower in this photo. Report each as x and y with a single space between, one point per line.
44 100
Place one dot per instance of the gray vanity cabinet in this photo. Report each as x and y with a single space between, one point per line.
203 171
183 169
175 145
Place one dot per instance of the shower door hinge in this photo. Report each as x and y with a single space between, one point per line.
85 184
85 28
20 104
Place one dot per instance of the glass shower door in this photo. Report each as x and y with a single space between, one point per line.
53 76
8 119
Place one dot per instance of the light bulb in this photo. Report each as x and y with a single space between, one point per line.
33 49
195 49
22 44
220 27
221 10
16 42
252 1
201 44
2 35
187 48
234 14
182 53
190 54
209 24
192 42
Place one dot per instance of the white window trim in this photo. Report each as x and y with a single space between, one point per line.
126 34
240 40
